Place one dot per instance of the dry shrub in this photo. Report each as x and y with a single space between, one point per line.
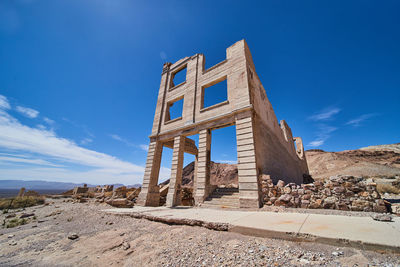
15 222
387 188
20 202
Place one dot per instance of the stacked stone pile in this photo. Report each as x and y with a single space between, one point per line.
338 192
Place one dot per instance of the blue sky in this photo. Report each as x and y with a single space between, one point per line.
79 79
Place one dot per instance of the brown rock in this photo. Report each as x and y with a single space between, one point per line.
329 202
342 206
285 198
355 189
287 190
316 204
339 190
279 203
280 184
379 208
273 199
120 203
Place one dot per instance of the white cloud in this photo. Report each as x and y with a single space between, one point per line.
28 112
163 56
86 141
18 138
48 121
325 114
357 121
165 174
80 126
227 161
144 147
4 104
323 133
14 159
123 140
116 137
41 126
316 143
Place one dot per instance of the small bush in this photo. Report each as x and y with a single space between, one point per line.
16 222
387 188
20 202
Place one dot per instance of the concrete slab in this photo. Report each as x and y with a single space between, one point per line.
281 222
362 232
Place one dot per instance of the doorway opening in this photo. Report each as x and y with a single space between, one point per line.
224 172
189 168
165 173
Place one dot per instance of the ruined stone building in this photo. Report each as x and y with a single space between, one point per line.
264 146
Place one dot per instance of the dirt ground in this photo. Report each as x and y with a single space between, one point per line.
112 240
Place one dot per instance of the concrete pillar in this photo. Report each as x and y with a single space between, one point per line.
249 194
175 182
150 193
202 180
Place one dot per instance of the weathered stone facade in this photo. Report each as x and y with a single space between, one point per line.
264 146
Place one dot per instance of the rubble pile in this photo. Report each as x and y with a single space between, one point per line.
121 197
187 196
340 192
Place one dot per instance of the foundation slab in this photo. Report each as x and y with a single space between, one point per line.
360 232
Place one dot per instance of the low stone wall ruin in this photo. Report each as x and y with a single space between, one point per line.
338 192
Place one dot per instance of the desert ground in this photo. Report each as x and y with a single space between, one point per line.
112 240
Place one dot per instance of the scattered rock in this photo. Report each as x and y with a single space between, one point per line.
126 245
73 236
120 203
26 215
337 253
304 261
382 217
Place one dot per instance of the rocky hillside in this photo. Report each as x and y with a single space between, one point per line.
221 174
379 161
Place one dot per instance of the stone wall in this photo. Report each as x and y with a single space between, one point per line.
338 192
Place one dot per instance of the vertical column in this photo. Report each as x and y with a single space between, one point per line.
247 170
202 182
150 194
175 182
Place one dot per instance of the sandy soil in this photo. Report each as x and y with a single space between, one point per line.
111 240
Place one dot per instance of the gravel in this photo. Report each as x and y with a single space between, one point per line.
125 241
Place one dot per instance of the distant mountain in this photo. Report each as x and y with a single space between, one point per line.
40 185
134 185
